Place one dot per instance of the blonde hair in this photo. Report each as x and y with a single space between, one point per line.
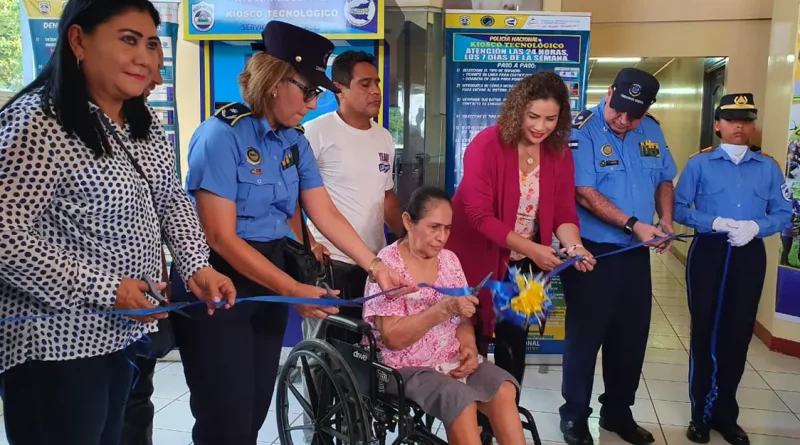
261 74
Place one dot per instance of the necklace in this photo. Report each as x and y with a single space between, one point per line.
529 161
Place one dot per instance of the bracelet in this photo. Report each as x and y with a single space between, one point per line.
573 248
371 269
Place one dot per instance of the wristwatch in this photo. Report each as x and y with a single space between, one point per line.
629 224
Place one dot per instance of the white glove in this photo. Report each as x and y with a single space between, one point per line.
724 224
742 235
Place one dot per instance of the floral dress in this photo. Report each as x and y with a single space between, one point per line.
527 214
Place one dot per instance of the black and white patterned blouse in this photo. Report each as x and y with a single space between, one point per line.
72 225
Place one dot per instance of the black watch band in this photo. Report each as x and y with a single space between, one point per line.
629 224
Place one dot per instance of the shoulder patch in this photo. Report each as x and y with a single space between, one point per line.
232 113
652 117
705 150
581 119
301 129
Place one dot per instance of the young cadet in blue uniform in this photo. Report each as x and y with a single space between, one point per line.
623 175
743 193
248 165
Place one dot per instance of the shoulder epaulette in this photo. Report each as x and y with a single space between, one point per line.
301 129
705 150
768 156
232 113
652 117
581 119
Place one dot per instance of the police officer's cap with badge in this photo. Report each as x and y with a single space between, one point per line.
736 107
632 92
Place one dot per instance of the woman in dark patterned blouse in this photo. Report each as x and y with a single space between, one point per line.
88 188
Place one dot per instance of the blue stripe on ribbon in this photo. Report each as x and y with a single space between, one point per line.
714 393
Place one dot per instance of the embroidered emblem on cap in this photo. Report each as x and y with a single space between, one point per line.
740 100
635 90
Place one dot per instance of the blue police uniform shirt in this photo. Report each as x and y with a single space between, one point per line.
754 190
627 171
238 156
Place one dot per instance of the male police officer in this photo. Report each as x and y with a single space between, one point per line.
623 174
742 193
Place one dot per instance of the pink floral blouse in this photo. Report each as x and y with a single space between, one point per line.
440 345
526 224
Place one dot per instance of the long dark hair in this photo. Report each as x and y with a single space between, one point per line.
64 93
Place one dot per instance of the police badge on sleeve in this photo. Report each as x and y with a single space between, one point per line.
786 191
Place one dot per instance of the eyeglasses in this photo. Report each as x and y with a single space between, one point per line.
308 93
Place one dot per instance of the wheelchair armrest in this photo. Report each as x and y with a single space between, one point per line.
351 324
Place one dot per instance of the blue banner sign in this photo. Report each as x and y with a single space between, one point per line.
240 20
488 53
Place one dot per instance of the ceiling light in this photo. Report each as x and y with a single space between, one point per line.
616 59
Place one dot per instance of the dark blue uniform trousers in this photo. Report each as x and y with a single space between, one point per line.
230 359
608 307
737 318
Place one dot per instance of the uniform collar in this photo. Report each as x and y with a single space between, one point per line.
599 112
719 153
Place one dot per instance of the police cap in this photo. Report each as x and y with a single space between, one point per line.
306 51
736 107
633 92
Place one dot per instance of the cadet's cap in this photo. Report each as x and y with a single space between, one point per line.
633 92
736 107
306 51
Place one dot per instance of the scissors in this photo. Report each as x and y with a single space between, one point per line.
162 302
329 292
477 289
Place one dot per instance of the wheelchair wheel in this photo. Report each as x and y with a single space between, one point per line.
333 412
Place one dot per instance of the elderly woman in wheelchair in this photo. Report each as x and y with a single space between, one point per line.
428 337
412 359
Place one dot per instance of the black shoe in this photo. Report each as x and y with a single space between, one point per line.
629 432
733 434
698 432
576 433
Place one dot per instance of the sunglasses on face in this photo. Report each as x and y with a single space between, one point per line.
308 93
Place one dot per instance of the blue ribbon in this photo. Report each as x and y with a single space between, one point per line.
503 290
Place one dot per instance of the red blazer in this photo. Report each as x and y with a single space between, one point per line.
485 208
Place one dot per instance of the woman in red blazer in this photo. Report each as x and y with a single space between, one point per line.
517 192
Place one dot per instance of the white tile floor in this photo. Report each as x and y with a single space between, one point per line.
769 395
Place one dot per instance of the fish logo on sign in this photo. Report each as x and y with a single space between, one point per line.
359 13
44 8
203 16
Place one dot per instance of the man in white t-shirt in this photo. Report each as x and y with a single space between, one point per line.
355 155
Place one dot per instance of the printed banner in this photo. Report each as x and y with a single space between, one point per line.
224 62
239 20
488 53
42 19
787 305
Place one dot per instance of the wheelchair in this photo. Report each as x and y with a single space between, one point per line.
349 403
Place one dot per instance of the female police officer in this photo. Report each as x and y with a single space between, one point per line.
742 193
244 178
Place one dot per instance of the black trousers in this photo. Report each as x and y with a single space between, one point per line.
511 340
230 359
733 326
73 402
139 412
609 308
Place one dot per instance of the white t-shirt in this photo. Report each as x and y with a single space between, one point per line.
356 167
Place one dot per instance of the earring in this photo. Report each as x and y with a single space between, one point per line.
274 95
79 64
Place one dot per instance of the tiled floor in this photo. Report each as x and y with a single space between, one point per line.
769 395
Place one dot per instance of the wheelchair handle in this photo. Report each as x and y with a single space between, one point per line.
351 324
